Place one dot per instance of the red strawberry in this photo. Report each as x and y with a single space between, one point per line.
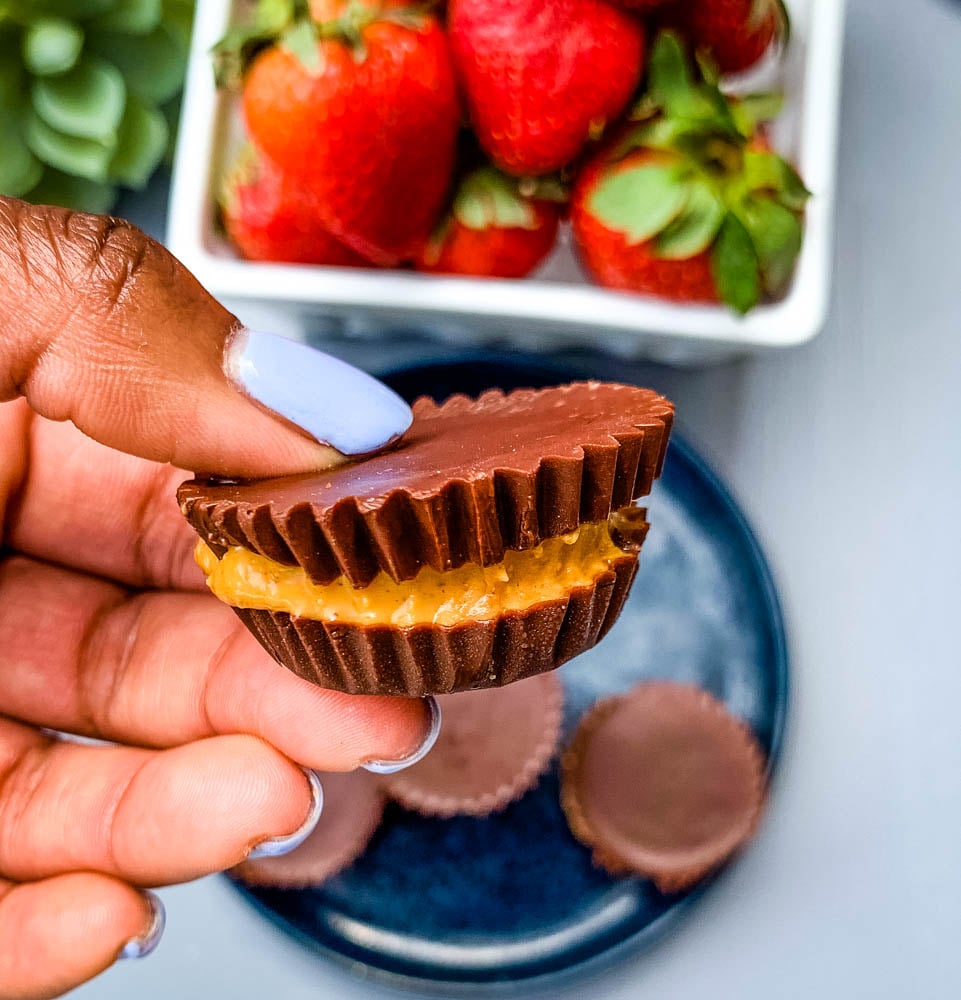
689 203
270 218
615 259
735 34
362 108
542 78
493 230
642 6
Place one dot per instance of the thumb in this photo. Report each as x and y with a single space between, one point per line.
100 325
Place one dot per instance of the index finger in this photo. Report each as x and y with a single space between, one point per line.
100 325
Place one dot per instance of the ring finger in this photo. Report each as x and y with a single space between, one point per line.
148 817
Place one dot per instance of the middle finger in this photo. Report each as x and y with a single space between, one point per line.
161 669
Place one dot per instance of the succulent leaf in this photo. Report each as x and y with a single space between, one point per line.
20 170
51 45
86 88
84 157
70 191
152 65
11 76
142 141
132 17
87 102
73 10
179 17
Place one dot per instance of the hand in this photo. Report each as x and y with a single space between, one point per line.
109 349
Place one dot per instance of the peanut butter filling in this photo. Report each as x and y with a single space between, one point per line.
548 572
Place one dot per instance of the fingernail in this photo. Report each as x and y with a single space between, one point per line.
275 847
331 400
141 947
433 731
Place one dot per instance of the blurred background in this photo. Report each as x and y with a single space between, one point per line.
844 452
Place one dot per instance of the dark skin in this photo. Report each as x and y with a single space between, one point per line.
111 383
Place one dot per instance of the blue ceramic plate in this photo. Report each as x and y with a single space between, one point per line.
464 905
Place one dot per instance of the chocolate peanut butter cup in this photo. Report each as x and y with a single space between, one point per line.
493 746
662 782
353 808
495 541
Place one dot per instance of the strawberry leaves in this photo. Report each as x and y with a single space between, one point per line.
694 229
692 177
734 264
236 50
690 105
488 199
301 40
766 171
639 202
776 234
751 110
757 246
292 25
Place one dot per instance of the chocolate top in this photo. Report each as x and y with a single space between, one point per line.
470 479
663 781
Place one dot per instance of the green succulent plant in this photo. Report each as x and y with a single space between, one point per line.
88 95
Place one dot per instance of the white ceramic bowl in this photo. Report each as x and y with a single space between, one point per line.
557 306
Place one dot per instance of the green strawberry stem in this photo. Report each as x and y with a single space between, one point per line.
699 179
291 24
489 199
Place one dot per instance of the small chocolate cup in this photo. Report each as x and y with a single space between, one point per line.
493 747
662 782
469 481
353 808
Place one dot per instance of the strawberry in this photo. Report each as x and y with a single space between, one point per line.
493 230
357 101
735 34
270 218
542 78
641 6
688 202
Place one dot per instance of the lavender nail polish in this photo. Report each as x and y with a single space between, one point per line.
141 947
433 731
333 401
276 847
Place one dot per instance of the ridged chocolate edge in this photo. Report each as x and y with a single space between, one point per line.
667 879
439 659
274 873
468 521
404 788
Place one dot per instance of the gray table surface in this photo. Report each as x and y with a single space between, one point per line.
846 454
